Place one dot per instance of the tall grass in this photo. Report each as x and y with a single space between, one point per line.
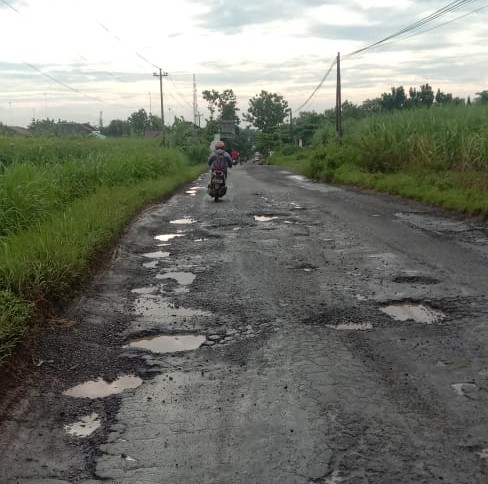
59 210
438 155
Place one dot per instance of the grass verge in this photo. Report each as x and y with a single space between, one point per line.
47 262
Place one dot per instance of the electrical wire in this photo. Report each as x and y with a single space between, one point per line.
451 7
334 62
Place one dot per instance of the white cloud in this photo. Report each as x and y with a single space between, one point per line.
278 45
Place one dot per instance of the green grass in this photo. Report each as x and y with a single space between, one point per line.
438 156
61 214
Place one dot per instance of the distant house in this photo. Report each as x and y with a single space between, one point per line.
17 131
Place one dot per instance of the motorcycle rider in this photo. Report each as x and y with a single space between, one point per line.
219 159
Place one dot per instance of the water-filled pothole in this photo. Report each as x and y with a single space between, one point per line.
85 427
100 388
169 344
145 290
156 255
413 312
182 221
461 388
168 237
151 265
183 278
264 218
154 307
351 326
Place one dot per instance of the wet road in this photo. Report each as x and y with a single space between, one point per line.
292 333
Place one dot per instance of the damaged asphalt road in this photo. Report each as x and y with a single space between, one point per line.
292 333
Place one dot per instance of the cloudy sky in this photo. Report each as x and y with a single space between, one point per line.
73 60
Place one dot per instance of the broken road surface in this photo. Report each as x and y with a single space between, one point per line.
294 332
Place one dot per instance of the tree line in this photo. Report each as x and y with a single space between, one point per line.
269 119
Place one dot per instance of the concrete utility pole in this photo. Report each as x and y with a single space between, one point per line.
195 102
161 75
338 100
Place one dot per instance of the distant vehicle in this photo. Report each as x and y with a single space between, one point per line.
258 158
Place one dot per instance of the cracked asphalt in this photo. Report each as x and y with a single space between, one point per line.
344 341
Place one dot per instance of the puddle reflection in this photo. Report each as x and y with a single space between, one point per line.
156 255
182 221
101 388
413 312
351 326
168 237
183 278
85 427
169 344
264 218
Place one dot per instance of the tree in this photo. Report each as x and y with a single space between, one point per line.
138 122
117 128
394 100
225 104
267 111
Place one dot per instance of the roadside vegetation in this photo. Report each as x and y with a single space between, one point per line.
437 154
63 202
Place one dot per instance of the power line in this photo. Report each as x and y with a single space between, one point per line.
451 7
320 84
437 26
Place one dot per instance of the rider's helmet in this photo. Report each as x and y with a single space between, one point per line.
219 145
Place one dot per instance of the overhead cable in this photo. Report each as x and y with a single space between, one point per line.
320 84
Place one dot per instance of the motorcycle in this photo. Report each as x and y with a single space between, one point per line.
217 187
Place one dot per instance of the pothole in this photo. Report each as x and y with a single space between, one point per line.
413 312
156 255
151 265
183 278
483 454
100 388
462 388
169 344
351 326
85 427
264 218
145 290
155 307
405 279
182 221
168 237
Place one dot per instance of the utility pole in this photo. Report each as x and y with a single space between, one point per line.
195 102
161 75
338 100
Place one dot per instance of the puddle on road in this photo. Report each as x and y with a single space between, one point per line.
459 388
145 290
182 221
264 218
298 177
168 237
483 454
351 326
85 427
169 344
416 312
101 388
150 265
183 278
154 306
156 255
191 193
